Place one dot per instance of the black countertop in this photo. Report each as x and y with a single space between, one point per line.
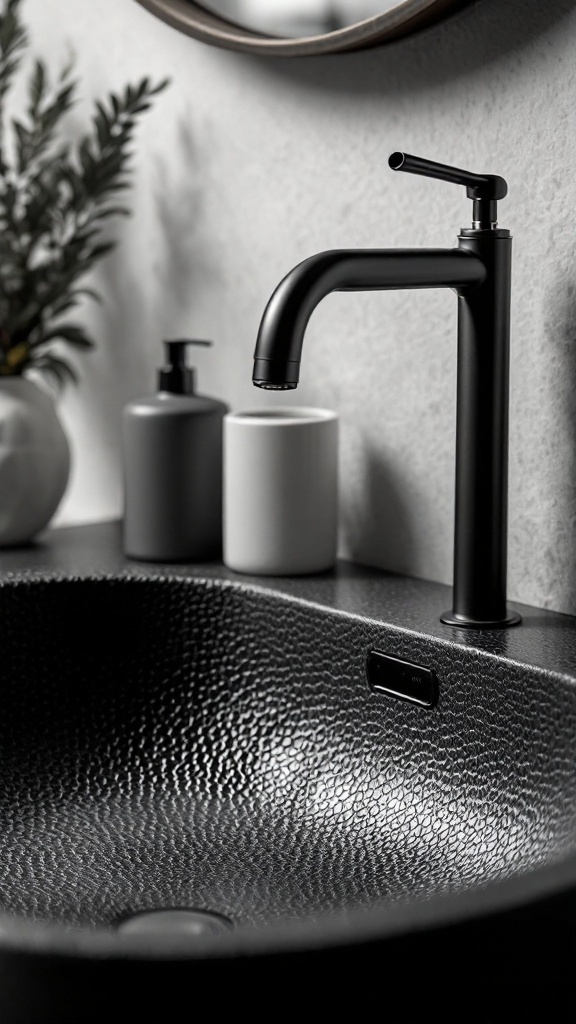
545 639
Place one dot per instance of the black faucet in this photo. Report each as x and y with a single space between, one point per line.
479 271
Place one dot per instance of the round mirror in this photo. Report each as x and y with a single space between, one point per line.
294 28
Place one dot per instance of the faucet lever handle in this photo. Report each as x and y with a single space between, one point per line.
478 186
484 189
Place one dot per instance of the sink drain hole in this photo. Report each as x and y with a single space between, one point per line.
175 922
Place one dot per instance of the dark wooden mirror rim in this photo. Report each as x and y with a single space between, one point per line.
195 20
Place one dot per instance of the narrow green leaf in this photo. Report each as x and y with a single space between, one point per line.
56 367
114 211
71 333
103 114
100 250
37 84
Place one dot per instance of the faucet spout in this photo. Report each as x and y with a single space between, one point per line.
279 345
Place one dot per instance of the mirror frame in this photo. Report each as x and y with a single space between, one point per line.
196 20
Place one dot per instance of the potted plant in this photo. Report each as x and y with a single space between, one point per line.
56 199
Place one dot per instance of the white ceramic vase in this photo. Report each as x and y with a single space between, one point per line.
34 460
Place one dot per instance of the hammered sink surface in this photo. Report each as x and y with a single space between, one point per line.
171 742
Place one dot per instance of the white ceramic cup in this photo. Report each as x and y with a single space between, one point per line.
280 490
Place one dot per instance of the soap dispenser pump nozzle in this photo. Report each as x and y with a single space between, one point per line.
176 377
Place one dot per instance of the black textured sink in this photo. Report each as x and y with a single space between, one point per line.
205 743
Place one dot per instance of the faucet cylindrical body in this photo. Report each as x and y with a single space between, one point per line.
480 545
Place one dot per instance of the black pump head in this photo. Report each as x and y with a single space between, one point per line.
176 377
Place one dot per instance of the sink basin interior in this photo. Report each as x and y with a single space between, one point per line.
176 743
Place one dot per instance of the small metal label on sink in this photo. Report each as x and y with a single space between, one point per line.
402 679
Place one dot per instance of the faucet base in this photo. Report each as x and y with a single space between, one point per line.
466 622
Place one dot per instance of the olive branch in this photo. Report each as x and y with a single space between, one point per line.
55 201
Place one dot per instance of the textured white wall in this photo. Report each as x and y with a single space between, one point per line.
247 165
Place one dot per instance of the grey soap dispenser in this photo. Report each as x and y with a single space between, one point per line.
172 467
